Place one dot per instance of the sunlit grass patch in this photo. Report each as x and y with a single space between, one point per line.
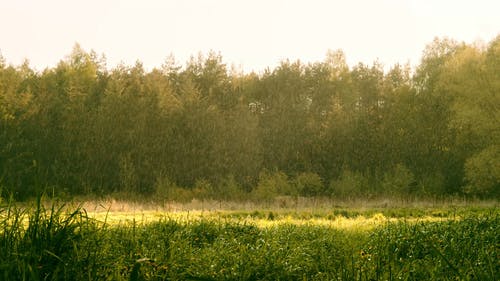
267 219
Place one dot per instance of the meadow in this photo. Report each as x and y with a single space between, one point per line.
202 241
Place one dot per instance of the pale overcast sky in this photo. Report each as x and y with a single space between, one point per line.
254 34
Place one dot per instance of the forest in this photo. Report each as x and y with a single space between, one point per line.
207 130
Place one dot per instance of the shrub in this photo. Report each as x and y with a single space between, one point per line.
165 189
431 184
203 189
309 184
271 185
482 172
397 181
230 189
349 184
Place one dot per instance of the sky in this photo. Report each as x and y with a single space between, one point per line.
251 35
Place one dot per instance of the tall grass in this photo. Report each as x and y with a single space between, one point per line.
44 244
61 243
467 249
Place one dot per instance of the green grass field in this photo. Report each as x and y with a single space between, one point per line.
60 242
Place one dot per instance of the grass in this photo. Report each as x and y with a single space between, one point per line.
63 242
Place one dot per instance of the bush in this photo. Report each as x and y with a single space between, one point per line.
349 184
431 184
165 189
309 184
203 189
230 189
271 185
482 172
397 181
226 189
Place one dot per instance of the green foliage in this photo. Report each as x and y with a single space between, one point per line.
398 181
128 176
229 190
349 185
483 172
79 128
47 244
203 189
438 251
309 184
431 184
271 185
167 190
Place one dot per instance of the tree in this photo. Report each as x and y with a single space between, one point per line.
283 122
17 109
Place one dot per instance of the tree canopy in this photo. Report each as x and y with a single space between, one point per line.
320 128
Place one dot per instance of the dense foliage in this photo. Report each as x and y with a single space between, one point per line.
312 129
55 245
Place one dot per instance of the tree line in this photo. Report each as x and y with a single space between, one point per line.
315 129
